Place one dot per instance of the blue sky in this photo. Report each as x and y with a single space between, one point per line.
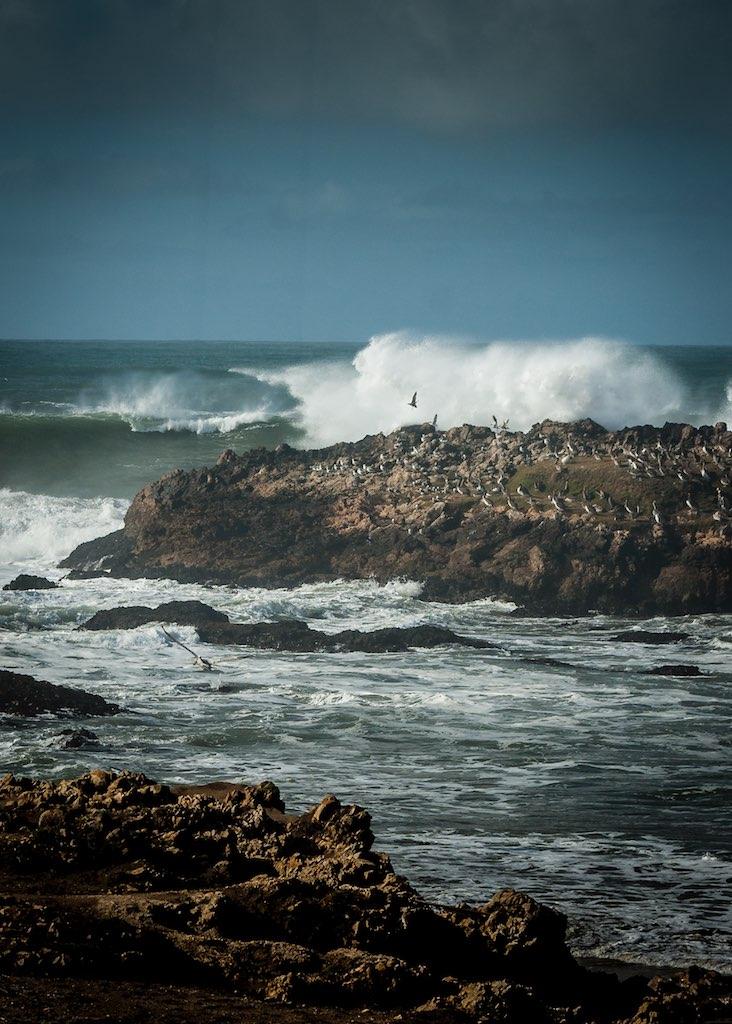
326 172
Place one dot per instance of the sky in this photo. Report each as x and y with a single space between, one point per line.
332 169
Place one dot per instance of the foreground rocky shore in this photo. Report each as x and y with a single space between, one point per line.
566 518
226 905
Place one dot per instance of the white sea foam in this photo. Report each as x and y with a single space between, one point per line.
174 401
38 530
725 411
613 382
213 424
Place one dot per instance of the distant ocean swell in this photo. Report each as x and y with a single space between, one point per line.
122 426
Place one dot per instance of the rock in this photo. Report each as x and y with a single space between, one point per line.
674 670
25 696
645 636
558 519
285 635
26 582
181 613
113 876
694 996
293 635
77 739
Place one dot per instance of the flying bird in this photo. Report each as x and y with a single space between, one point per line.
199 662
413 403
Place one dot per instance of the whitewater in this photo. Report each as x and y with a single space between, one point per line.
552 763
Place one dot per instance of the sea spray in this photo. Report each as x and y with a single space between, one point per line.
613 382
38 530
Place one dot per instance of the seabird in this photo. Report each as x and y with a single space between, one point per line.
413 403
199 661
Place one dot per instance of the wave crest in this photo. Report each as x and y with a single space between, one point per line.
180 402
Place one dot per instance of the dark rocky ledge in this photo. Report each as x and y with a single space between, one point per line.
675 670
27 582
215 892
214 627
26 697
646 636
563 519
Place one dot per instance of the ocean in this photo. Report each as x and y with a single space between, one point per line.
552 763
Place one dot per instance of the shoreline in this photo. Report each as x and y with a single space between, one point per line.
114 877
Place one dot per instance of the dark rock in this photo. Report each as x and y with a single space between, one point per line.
77 739
293 635
26 582
286 635
694 996
25 696
181 613
645 636
674 670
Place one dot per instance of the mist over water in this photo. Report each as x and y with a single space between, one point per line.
552 763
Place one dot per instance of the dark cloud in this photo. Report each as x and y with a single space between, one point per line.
446 65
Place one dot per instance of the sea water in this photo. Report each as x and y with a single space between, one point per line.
553 763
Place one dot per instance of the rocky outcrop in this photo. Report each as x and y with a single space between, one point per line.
27 582
118 877
26 697
563 519
646 636
214 627
179 613
675 670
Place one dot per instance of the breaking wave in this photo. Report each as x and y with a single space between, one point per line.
180 401
613 382
37 530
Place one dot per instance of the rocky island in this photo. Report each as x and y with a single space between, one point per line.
561 519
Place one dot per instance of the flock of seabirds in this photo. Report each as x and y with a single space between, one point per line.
519 474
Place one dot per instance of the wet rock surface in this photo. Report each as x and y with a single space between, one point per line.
180 613
675 670
562 519
285 635
28 582
645 636
216 888
78 739
25 696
